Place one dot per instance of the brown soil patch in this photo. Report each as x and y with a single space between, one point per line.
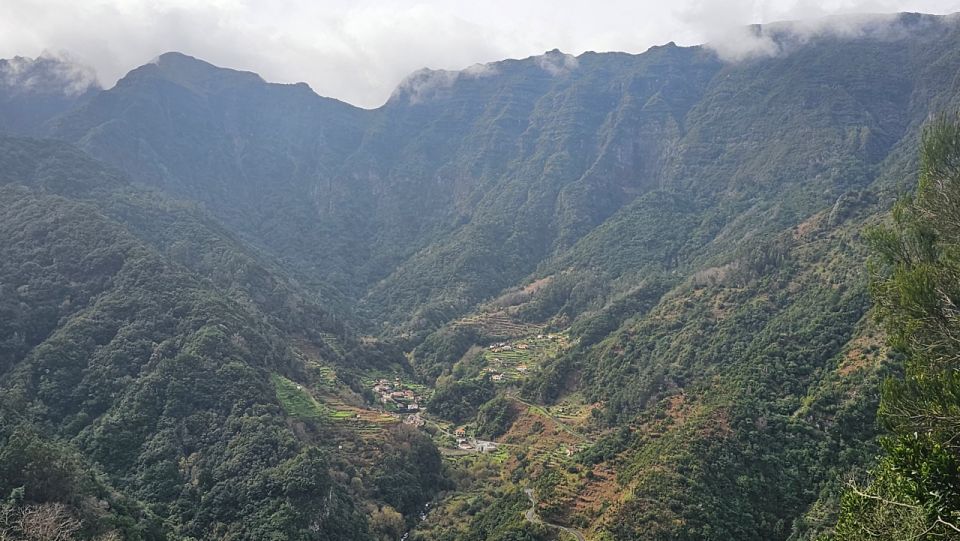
678 409
858 357
599 490
805 229
498 323
537 285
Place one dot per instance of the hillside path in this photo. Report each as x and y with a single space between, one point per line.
532 516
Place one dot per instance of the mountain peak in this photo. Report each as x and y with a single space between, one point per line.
195 74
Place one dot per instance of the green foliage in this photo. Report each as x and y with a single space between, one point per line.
459 400
151 342
38 472
443 348
500 518
915 489
296 401
410 472
495 417
694 223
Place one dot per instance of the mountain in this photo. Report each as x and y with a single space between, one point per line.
641 275
516 160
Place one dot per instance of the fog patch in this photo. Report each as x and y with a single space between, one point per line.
557 63
769 40
744 43
426 84
49 73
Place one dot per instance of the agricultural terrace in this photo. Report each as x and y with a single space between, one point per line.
303 404
512 360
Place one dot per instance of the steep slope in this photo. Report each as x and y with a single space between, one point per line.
139 335
255 154
362 199
767 147
553 147
464 182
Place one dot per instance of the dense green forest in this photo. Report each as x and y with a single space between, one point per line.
652 296
141 338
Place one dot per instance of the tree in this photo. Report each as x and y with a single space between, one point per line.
914 492
38 522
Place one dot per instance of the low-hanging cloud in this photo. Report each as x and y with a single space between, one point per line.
359 50
771 40
799 22
425 84
557 63
48 74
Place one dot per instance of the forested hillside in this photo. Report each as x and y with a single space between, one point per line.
237 309
141 349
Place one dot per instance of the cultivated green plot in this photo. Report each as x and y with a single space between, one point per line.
297 401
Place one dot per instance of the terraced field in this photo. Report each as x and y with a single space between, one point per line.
300 403
297 401
499 324
520 356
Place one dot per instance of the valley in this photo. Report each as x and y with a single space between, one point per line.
598 297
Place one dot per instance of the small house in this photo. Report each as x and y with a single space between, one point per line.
486 446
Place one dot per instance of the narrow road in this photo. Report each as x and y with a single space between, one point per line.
532 516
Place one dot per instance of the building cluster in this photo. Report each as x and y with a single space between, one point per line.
465 443
393 395
495 375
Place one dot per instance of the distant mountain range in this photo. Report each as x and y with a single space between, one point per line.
183 249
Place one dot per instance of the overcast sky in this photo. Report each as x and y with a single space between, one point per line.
359 50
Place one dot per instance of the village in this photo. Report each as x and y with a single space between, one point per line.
505 362
396 397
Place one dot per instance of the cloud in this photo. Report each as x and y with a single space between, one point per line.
721 24
556 63
773 39
744 43
359 50
425 84
49 73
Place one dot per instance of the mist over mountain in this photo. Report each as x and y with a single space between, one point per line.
34 90
226 303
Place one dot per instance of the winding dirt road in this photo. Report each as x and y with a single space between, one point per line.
532 516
